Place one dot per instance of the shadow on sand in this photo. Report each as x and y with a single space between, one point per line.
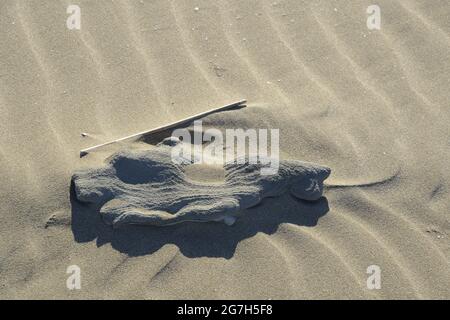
195 239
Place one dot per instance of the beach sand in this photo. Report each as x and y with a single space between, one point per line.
373 105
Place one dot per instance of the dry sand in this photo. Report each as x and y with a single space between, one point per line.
369 104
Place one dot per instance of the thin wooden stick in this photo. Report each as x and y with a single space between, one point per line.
240 103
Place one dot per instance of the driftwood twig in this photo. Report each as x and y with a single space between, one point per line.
240 103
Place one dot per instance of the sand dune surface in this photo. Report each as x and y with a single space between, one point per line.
373 105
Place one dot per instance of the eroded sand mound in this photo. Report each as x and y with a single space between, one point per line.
149 188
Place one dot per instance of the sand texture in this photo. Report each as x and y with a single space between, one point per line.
372 105
150 187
